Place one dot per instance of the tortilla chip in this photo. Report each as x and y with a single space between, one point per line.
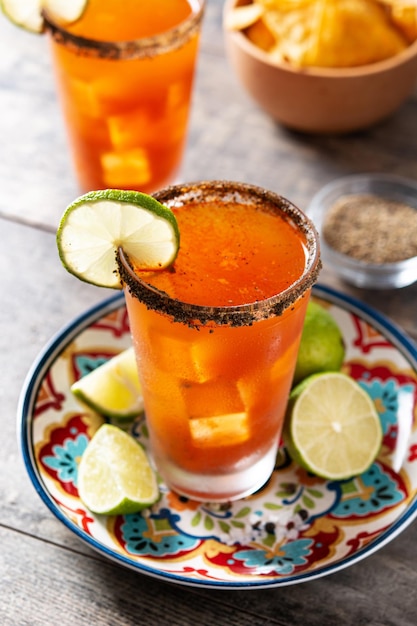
243 16
293 25
353 33
328 33
403 14
260 35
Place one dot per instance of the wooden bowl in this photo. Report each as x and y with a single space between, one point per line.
321 100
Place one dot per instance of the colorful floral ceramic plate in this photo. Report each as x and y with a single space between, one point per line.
297 528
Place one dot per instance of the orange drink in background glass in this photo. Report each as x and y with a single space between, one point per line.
216 335
125 74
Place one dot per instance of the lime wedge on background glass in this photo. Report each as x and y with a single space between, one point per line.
114 474
96 224
65 11
332 428
112 389
28 13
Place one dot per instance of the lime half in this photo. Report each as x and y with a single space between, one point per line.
332 428
114 474
28 14
112 389
95 225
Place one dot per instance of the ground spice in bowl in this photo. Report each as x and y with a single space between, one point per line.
372 229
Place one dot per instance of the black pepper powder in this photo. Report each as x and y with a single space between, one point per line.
372 229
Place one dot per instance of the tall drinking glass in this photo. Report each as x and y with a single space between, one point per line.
216 335
125 74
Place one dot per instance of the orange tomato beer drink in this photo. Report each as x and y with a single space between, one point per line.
216 335
125 72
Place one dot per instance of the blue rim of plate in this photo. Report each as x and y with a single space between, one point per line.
55 347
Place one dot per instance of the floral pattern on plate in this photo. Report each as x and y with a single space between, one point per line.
297 527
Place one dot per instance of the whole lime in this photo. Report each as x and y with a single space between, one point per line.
322 347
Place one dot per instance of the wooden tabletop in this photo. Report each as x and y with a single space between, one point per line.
47 575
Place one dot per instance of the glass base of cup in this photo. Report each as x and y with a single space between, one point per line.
219 487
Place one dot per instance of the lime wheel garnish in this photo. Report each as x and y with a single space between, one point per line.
28 14
98 223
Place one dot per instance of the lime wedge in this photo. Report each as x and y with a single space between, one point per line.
332 428
112 389
95 225
28 14
114 474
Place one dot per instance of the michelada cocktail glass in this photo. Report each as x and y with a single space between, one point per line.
125 73
216 335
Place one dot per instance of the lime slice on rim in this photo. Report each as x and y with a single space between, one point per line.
332 428
114 474
96 224
112 389
28 13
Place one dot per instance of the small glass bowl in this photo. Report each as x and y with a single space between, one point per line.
360 273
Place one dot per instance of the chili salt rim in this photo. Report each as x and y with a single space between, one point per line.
239 315
146 47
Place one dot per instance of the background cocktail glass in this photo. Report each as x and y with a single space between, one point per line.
216 379
126 101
